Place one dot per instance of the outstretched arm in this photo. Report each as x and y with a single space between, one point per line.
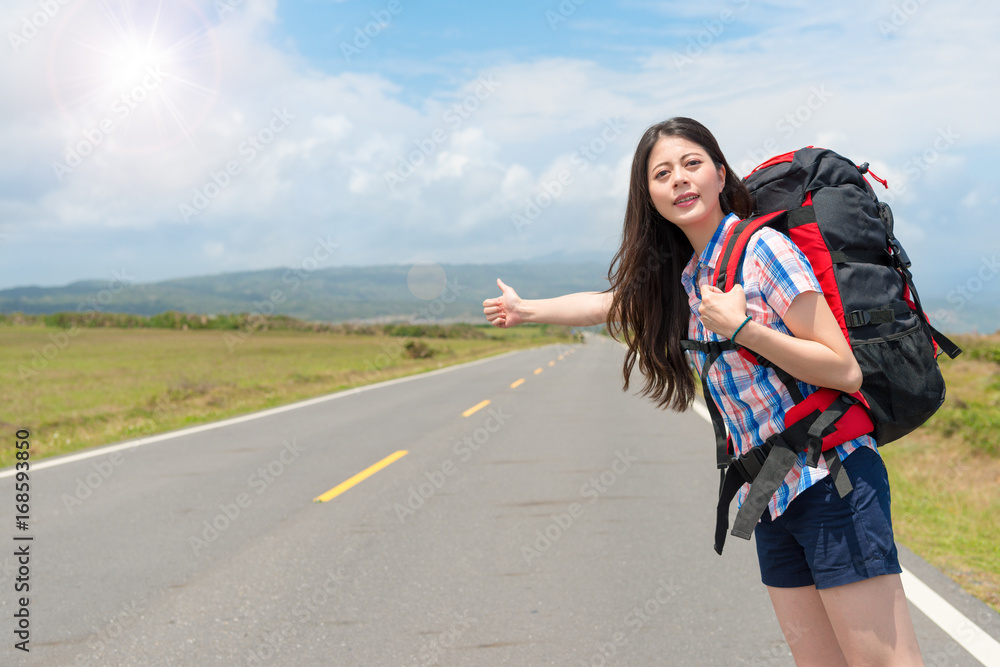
580 309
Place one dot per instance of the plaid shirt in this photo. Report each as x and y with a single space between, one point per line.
752 399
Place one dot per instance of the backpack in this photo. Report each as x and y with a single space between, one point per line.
825 205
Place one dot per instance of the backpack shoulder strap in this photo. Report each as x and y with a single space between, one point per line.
729 270
712 351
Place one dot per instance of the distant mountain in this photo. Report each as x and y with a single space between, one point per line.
980 316
573 257
453 293
383 293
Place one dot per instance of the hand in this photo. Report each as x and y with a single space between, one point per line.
503 311
723 312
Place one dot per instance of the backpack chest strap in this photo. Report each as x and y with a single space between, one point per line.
813 424
765 467
712 351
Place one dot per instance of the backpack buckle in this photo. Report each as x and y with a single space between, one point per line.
748 466
715 348
857 318
898 254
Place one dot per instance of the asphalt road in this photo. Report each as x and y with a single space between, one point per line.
565 523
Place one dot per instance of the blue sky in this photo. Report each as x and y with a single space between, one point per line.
191 137
446 41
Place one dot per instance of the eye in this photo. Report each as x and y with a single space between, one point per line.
660 173
693 163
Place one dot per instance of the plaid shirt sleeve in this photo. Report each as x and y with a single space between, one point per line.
779 270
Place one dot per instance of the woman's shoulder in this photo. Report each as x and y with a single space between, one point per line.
770 248
764 239
769 237
775 263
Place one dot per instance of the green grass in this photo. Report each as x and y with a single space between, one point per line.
945 478
972 410
105 385
945 504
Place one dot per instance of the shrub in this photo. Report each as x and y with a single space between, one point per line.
417 349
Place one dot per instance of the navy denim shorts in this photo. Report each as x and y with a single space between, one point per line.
824 540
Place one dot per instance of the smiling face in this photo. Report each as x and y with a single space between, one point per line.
684 185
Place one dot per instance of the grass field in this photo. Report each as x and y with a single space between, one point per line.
945 478
106 385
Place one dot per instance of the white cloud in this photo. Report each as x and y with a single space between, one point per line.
824 76
214 250
517 182
332 128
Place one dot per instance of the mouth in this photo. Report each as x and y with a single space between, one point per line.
685 200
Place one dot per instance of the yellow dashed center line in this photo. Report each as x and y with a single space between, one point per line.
477 406
360 477
368 472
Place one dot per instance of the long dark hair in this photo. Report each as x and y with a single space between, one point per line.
645 274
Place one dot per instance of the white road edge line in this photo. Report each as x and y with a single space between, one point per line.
967 634
702 411
141 442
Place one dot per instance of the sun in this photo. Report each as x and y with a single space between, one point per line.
148 70
129 61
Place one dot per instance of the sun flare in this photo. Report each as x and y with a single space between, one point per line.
148 72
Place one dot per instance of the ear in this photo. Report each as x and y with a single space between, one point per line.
722 175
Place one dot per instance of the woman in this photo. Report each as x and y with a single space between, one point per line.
829 563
